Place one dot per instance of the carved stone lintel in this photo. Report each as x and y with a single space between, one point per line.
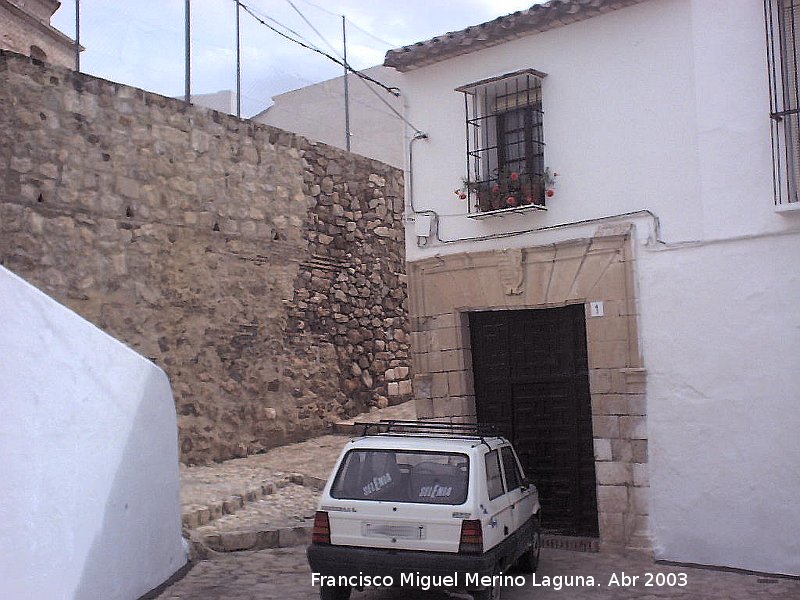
512 274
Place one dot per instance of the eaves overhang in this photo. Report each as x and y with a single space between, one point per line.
536 19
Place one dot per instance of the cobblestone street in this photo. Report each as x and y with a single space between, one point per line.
255 504
283 573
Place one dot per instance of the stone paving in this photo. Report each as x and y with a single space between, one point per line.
284 573
264 500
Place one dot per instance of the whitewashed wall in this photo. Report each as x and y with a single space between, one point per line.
721 343
89 501
317 112
660 106
664 106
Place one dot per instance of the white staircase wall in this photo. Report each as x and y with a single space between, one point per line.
89 500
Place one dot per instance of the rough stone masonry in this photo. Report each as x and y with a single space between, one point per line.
262 271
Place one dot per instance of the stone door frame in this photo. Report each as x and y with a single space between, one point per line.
442 292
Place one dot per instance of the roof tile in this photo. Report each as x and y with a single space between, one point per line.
538 18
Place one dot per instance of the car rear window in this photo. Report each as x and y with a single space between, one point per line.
403 476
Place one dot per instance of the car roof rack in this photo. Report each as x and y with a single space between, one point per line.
443 429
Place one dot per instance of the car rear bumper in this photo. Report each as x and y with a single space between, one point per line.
404 567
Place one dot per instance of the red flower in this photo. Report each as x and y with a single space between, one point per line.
514 176
463 196
550 193
512 200
496 189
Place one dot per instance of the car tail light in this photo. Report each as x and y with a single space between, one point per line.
321 533
471 537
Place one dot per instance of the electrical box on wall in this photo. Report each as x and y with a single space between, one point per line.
422 225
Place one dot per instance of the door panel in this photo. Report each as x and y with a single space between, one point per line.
498 518
531 381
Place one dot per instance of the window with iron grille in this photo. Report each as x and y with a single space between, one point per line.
505 144
783 51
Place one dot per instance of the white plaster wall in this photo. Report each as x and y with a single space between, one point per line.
731 90
664 106
660 106
89 501
223 101
317 112
721 343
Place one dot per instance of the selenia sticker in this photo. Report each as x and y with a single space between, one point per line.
377 483
435 491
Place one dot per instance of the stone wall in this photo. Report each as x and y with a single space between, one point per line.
263 272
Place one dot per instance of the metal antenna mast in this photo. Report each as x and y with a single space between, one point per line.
346 89
188 67
77 35
238 65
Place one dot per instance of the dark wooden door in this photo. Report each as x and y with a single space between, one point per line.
532 382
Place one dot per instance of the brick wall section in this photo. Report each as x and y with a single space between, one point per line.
263 272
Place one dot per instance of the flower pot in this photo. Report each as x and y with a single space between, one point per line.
533 192
484 200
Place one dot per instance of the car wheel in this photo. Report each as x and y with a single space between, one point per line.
492 593
335 593
528 562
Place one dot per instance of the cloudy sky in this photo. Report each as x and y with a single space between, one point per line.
141 43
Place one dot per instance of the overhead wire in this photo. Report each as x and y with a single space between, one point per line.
361 29
309 46
250 91
333 14
372 35
344 63
322 8
259 13
314 29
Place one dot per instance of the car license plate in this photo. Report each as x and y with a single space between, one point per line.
393 530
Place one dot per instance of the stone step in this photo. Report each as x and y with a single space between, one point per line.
202 546
197 515
282 519
404 411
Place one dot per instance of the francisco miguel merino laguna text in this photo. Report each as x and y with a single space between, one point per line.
456 580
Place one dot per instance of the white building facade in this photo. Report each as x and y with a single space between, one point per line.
631 321
317 112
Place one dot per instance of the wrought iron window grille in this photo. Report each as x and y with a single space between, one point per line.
782 19
505 143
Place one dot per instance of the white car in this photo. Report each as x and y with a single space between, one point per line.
424 504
